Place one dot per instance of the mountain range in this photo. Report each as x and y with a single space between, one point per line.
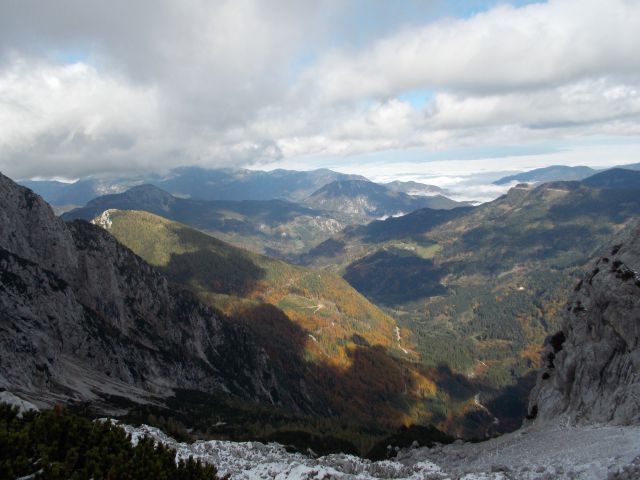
556 173
195 182
435 317
480 288
277 227
85 319
222 184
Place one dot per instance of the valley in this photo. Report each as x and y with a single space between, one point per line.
437 317
458 300
557 440
479 290
375 365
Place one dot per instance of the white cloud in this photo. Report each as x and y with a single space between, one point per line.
64 114
160 84
580 103
539 45
561 70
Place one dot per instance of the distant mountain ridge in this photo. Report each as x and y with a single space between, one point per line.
228 184
362 199
414 188
196 183
548 174
556 173
277 227
78 192
615 178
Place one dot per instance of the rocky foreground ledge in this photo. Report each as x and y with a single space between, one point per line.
534 452
595 452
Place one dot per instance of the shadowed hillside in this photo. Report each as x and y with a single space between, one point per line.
350 347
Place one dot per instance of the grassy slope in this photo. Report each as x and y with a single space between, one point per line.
324 304
350 347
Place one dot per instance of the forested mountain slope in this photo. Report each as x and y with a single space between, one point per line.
480 289
357 354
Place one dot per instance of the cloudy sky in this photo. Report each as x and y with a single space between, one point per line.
385 88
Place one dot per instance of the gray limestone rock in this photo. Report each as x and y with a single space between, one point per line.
83 318
591 368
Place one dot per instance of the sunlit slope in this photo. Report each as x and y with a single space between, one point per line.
323 303
278 227
352 350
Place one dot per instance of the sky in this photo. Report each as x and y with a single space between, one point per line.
409 89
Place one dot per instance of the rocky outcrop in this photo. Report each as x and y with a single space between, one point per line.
82 317
591 370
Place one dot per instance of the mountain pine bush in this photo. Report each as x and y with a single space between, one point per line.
56 444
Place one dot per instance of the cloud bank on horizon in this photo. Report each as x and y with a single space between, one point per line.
91 87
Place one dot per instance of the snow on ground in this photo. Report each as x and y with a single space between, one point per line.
542 453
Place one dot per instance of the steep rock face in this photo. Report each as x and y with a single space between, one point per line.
29 229
82 317
591 370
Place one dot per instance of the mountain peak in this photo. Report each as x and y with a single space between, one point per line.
141 197
548 174
150 192
349 188
30 229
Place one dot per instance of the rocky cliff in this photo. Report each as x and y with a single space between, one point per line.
591 370
83 318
